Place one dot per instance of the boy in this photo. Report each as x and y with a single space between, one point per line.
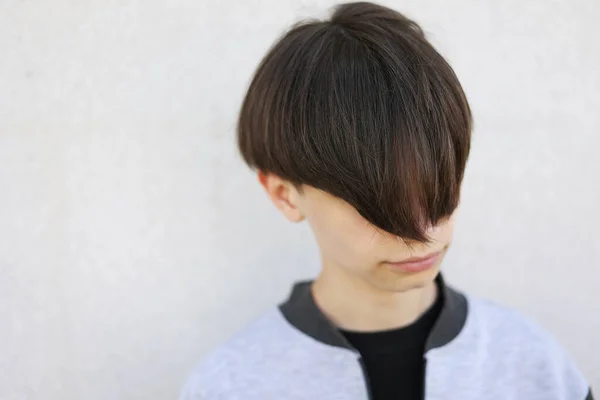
359 126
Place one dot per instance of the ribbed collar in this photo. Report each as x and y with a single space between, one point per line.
303 313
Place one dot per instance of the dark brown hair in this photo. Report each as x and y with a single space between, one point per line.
363 107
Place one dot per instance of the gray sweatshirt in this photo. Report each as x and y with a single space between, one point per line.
477 350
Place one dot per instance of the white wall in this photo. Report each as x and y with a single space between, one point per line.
132 238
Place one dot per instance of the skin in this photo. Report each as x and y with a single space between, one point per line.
358 289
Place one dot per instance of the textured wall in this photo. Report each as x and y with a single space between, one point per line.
132 238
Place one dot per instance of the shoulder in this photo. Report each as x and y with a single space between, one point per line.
246 361
241 354
509 341
489 314
507 327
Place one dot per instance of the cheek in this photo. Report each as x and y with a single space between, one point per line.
358 241
345 236
443 233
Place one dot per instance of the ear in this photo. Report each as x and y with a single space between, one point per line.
283 194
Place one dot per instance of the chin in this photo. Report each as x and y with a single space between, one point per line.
402 282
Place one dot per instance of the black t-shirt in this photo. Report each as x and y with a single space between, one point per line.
393 359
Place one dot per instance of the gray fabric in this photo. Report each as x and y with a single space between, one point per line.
271 360
497 355
501 355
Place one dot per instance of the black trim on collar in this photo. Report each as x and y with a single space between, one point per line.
302 312
589 396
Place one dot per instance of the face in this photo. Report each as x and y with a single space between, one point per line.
349 244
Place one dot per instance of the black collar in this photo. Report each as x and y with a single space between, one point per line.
302 312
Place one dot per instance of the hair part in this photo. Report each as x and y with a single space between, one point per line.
363 107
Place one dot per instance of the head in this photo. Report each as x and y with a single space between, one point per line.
359 126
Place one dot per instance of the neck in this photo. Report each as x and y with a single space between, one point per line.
353 304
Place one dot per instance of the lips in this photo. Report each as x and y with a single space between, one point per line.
416 264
